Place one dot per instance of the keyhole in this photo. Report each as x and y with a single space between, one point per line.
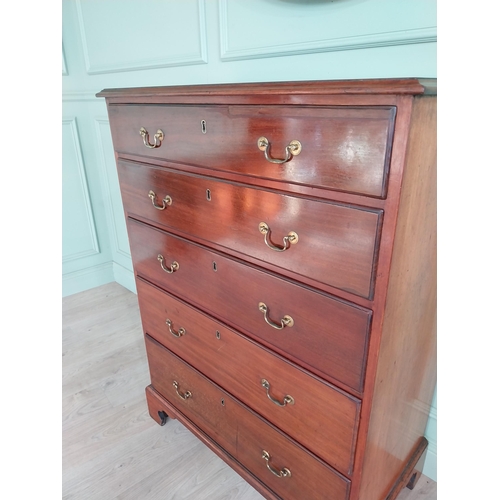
203 127
214 266
209 195
217 335
222 402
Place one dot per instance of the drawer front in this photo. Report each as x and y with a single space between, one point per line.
334 245
242 433
240 366
342 148
328 336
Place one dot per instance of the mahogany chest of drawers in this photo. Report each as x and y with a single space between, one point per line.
283 240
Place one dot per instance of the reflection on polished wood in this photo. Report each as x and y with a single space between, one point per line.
112 449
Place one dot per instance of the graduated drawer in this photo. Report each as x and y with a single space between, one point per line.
342 148
328 336
335 245
240 366
241 432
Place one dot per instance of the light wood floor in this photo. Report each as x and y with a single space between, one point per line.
112 449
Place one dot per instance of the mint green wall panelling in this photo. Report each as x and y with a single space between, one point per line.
64 67
416 59
84 265
78 226
115 216
80 81
387 62
86 248
251 30
120 248
124 35
430 465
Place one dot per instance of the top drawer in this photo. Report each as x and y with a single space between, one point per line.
341 148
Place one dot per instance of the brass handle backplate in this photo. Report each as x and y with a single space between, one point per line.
284 472
291 238
165 202
293 149
286 321
184 396
173 267
286 400
179 333
158 137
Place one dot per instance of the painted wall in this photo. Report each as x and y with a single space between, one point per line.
136 43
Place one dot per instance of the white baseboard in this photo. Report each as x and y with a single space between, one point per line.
88 278
430 464
124 277
94 276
